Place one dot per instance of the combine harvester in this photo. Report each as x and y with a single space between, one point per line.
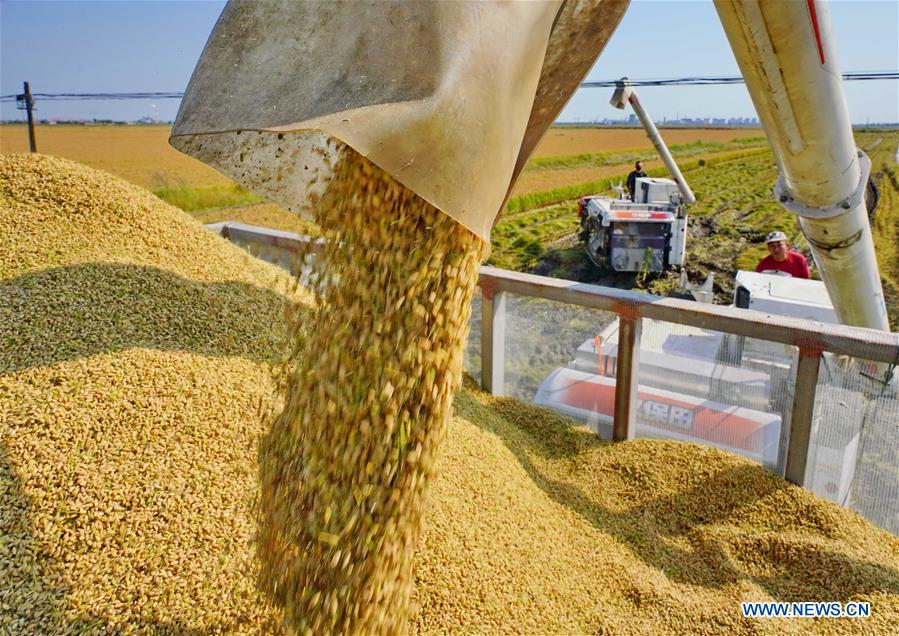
728 391
649 232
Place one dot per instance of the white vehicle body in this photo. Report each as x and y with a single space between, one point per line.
706 386
784 296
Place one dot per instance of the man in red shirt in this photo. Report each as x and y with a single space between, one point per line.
780 258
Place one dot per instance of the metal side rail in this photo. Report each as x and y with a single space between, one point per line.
273 246
812 339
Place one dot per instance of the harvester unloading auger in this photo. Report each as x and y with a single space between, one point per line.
448 100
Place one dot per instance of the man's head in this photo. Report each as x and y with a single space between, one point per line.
778 246
639 166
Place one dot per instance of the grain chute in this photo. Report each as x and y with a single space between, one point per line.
449 98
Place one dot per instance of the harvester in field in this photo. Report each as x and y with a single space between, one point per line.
646 232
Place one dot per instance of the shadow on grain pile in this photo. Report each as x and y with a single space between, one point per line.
131 368
82 310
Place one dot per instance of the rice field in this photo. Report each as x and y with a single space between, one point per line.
548 173
560 141
139 154
142 155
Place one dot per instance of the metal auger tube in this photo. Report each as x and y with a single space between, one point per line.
625 94
786 53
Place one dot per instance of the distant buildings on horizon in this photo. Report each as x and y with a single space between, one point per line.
143 121
630 122
695 122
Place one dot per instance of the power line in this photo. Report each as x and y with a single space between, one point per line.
712 81
679 81
96 96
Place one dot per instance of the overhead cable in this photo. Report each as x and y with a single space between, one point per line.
712 81
678 81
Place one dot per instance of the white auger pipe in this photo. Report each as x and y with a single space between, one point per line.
625 94
787 56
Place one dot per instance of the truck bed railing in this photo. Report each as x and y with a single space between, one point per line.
811 338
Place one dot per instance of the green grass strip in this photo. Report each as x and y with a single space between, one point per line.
533 200
196 199
599 159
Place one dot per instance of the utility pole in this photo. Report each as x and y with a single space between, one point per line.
26 102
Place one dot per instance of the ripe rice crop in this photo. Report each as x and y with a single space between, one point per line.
139 154
565 140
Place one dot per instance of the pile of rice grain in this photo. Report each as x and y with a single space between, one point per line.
347 464
539 527
135 347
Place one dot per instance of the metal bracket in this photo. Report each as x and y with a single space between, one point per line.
829 247
786 198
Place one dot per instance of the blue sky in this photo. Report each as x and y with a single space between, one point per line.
126 46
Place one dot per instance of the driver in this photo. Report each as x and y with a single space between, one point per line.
632 179
781 258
